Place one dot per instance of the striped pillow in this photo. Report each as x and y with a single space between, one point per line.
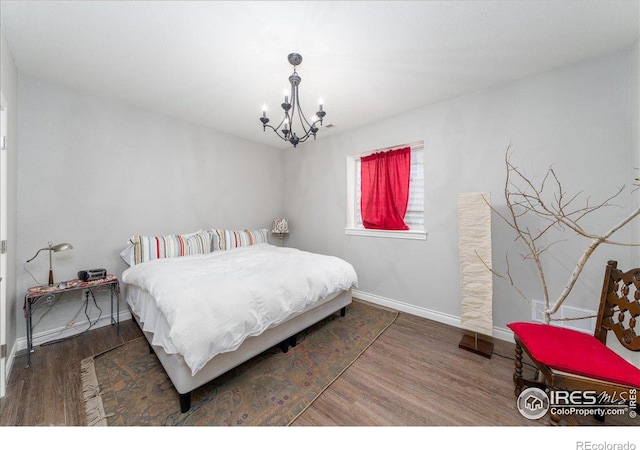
148 248
228 239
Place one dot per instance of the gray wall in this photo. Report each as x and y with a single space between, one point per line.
94 172
9 88
576 118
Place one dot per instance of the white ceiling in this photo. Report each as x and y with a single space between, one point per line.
216 63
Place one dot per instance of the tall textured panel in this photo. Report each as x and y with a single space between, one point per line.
476 281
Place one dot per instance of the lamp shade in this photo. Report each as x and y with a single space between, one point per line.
62 247
280 226
476 278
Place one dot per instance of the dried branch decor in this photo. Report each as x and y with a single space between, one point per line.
562 211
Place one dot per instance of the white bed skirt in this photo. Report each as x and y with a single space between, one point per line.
185 382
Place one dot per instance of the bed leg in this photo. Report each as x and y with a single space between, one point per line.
343 312
185 402
151 351
284 346
293 341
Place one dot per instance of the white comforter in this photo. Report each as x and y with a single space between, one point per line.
213 302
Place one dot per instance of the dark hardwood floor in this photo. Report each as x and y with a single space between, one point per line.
414 374
50 392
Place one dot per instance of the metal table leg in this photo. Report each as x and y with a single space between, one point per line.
116 322
29 333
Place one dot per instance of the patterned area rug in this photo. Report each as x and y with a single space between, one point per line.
273 388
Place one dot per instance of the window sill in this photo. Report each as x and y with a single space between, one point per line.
404 234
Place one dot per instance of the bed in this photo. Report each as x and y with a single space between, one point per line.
207 312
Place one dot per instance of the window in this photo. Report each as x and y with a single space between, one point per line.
414 216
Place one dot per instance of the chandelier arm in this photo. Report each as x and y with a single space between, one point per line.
307 132
307 137
294 103
304 120
309 129
275 130
281 122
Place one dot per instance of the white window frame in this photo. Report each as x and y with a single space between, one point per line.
352 227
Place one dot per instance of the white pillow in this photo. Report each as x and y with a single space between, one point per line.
128 254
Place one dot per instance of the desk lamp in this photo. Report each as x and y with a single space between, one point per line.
52 248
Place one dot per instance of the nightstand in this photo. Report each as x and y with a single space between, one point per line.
38 294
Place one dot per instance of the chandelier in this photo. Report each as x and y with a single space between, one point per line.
285 130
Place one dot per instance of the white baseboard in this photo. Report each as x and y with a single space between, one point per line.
498 333
9 364
63 332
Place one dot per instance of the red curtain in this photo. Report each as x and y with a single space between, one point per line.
385 189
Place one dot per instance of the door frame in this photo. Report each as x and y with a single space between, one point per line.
3 237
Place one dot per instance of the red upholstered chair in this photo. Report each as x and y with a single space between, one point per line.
574 361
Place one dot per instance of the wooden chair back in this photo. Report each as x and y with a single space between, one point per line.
620 307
